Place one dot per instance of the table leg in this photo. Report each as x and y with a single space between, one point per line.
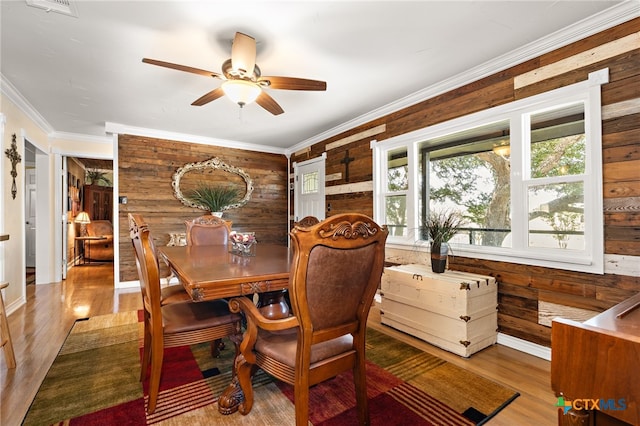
273 306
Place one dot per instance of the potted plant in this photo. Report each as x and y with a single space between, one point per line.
96 177
440 227
215 198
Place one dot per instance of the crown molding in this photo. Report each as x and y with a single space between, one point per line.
123 129
604 20
21 102
79 137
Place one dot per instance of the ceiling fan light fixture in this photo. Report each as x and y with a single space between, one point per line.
241 92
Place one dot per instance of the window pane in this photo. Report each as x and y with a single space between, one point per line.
396 214
556 216
310 183
469 172
397 170
558 142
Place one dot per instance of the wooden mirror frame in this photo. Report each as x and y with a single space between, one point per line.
215 164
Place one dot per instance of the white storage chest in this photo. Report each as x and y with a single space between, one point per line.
456 311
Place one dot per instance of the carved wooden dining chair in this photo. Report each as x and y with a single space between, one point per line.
174 324
5 335
307 221
207 230
171 293
336 268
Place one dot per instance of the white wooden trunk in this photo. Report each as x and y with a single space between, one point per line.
456 311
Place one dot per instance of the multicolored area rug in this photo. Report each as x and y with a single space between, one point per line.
94 381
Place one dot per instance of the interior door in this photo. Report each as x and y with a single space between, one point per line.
30 209
64 213
309 188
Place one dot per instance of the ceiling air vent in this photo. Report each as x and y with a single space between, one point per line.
60 6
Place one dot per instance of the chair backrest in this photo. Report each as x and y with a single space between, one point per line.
336 270
148 267
307 221
207 230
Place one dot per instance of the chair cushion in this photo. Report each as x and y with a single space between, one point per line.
100 228
173 294
282 346
190 316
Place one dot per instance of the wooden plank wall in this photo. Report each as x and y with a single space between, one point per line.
522 287
145 170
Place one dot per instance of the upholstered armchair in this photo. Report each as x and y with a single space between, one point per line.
334 276
100 250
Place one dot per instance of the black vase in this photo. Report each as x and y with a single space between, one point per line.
439 257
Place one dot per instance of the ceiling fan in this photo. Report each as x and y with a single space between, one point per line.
242 79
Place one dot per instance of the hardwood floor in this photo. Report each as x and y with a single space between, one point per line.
39 328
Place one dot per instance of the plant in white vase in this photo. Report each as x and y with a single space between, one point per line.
215 198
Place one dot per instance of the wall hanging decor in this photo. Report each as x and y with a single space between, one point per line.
14 157
212 185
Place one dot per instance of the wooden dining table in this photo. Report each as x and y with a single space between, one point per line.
212 272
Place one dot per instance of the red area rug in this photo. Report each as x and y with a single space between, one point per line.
94 381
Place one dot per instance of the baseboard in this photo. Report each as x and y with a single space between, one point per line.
13 306
525 346
136 283
128 284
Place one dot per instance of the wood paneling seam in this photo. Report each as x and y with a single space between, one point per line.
627 204
349 188
358 136
628 107
580 60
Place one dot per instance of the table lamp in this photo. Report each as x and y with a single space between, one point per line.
83 219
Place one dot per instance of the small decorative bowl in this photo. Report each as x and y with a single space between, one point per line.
242 243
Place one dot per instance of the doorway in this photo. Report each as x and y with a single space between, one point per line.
89 212
30 212
309 188
30 225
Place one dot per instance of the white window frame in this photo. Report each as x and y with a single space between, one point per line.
589 260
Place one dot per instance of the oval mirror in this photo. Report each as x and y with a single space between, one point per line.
213 173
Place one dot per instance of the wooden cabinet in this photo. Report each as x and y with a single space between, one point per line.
98 202
456 311
593 364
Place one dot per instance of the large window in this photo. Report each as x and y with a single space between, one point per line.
396 189
526 177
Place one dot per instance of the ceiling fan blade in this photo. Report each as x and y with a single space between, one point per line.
268 103
208 97
292 83
180 67
243 54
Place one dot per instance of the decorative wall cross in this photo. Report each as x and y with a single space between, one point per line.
15 158
346 160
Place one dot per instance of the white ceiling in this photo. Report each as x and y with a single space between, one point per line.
81 72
